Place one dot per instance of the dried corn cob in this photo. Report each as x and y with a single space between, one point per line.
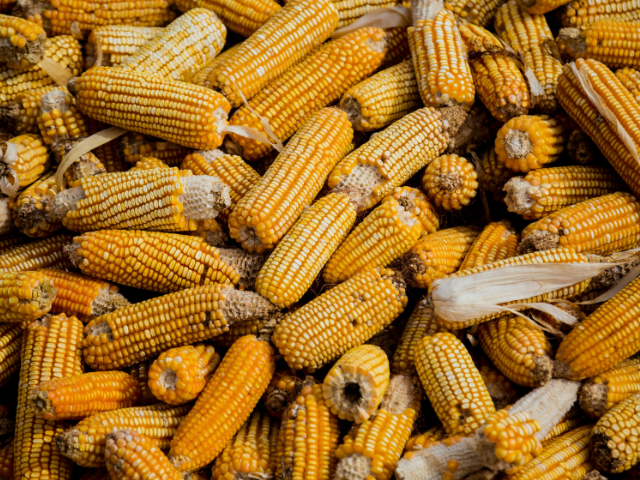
347 308
179 374
221 409
9 240
20 115
135 146
212 233
493 174
26 296
110 45
541 6
350 10
439 56
531 35
498 240
140 372
85 442
502 391
149 163
437 255
207 75
618 230
390 158
263 216
583 13
453 384
571 420
599 394
269 52
397 47
49 351
23 160
44 253
252 451
10 343
64 50
479 128
426 439
383 98
31 209
319 80
478 12
22 42
547 190
450 182
196 314
372 448
630 78
59 118
238 16
299 257
84 395
6 462
518 348
282 391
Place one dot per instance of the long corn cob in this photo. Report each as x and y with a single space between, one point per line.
383 98
6 462
439 56
350 10
264 215
10 343
450 182
356 310
22 42
600 393
110 45
25 296
23 160
583 13
397 47
630 78
44 253
239 16
299 257
547 190
221 409
498 240
84 443
20 115
179 374
437 255
9 240
32 205
135 146
49 351
391 157
59 118
196 314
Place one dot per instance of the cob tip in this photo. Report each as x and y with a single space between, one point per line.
570 43
592 398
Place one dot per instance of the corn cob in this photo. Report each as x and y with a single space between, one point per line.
9 240
112 44
437 255
391 157
135 146
285 386
31 209
299 257
439 56
179 374
10 342
531 35
263 216
267 54
450 182
539 7
372 448
426 439
630 79
518 348
454 387
383 98
492 174
346 308
201 114
569 227
149 163
6 462
196 314
207 75
251 452
59 118
49 351
22 42
108 156
478 12
599 394
26 296
502 391
186 45
547 190
571 420
350 10
221 410
397 47
84 395
85 442
140 372
582 14
24 160
20 115
319 80
64 50
240 17
212 233
498 240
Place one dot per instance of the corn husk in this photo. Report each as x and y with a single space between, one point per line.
390 17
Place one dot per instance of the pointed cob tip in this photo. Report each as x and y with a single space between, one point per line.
570 43
71 251
539 241
453 118
351 105
67 443
353 467
592 398
543 369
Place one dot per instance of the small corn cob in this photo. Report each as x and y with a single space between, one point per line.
383 98
196 314
630 78
6 462
453 384
571 420
110 45
49 351
24 160
599 394
200 113
299 257
308 438
31 209
498 240
439 56
149 163
20 115
140 372
135 146
478 12
354 386
84 395
492 174
26 296
531 35
180 374
547 190
221 409
426 439
22 42
10 343
583 13
350 10
108 155
397 47
85 442
285 386
437 255
59 118
251 452
186 45
390 158
616 229
269 52
64 50
319 80
372 448
503 392
263 216
347 308
529 142
450 182
129 456
518 348
240 17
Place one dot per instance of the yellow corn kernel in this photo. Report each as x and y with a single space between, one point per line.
514 436
178 375
6 462
599 394
450 182
23 160
22 42
493 174
31 209
425 440
112 44
397 47
630 78
140 372
59 118
350 10
25 296
149 163
20 115
239 16
478 12
10 343
497 241
135 146
582 13
207 75
9 240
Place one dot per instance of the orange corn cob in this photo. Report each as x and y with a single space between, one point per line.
24 159
498 240
599 394
10 240
140 372
630 78
282 391
180 374
110 45
6 462
135 146
350 10
22 42
25 296
450 182
426 439
149 163
10 343
397 47
582 14
32 205
59 118
20 115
